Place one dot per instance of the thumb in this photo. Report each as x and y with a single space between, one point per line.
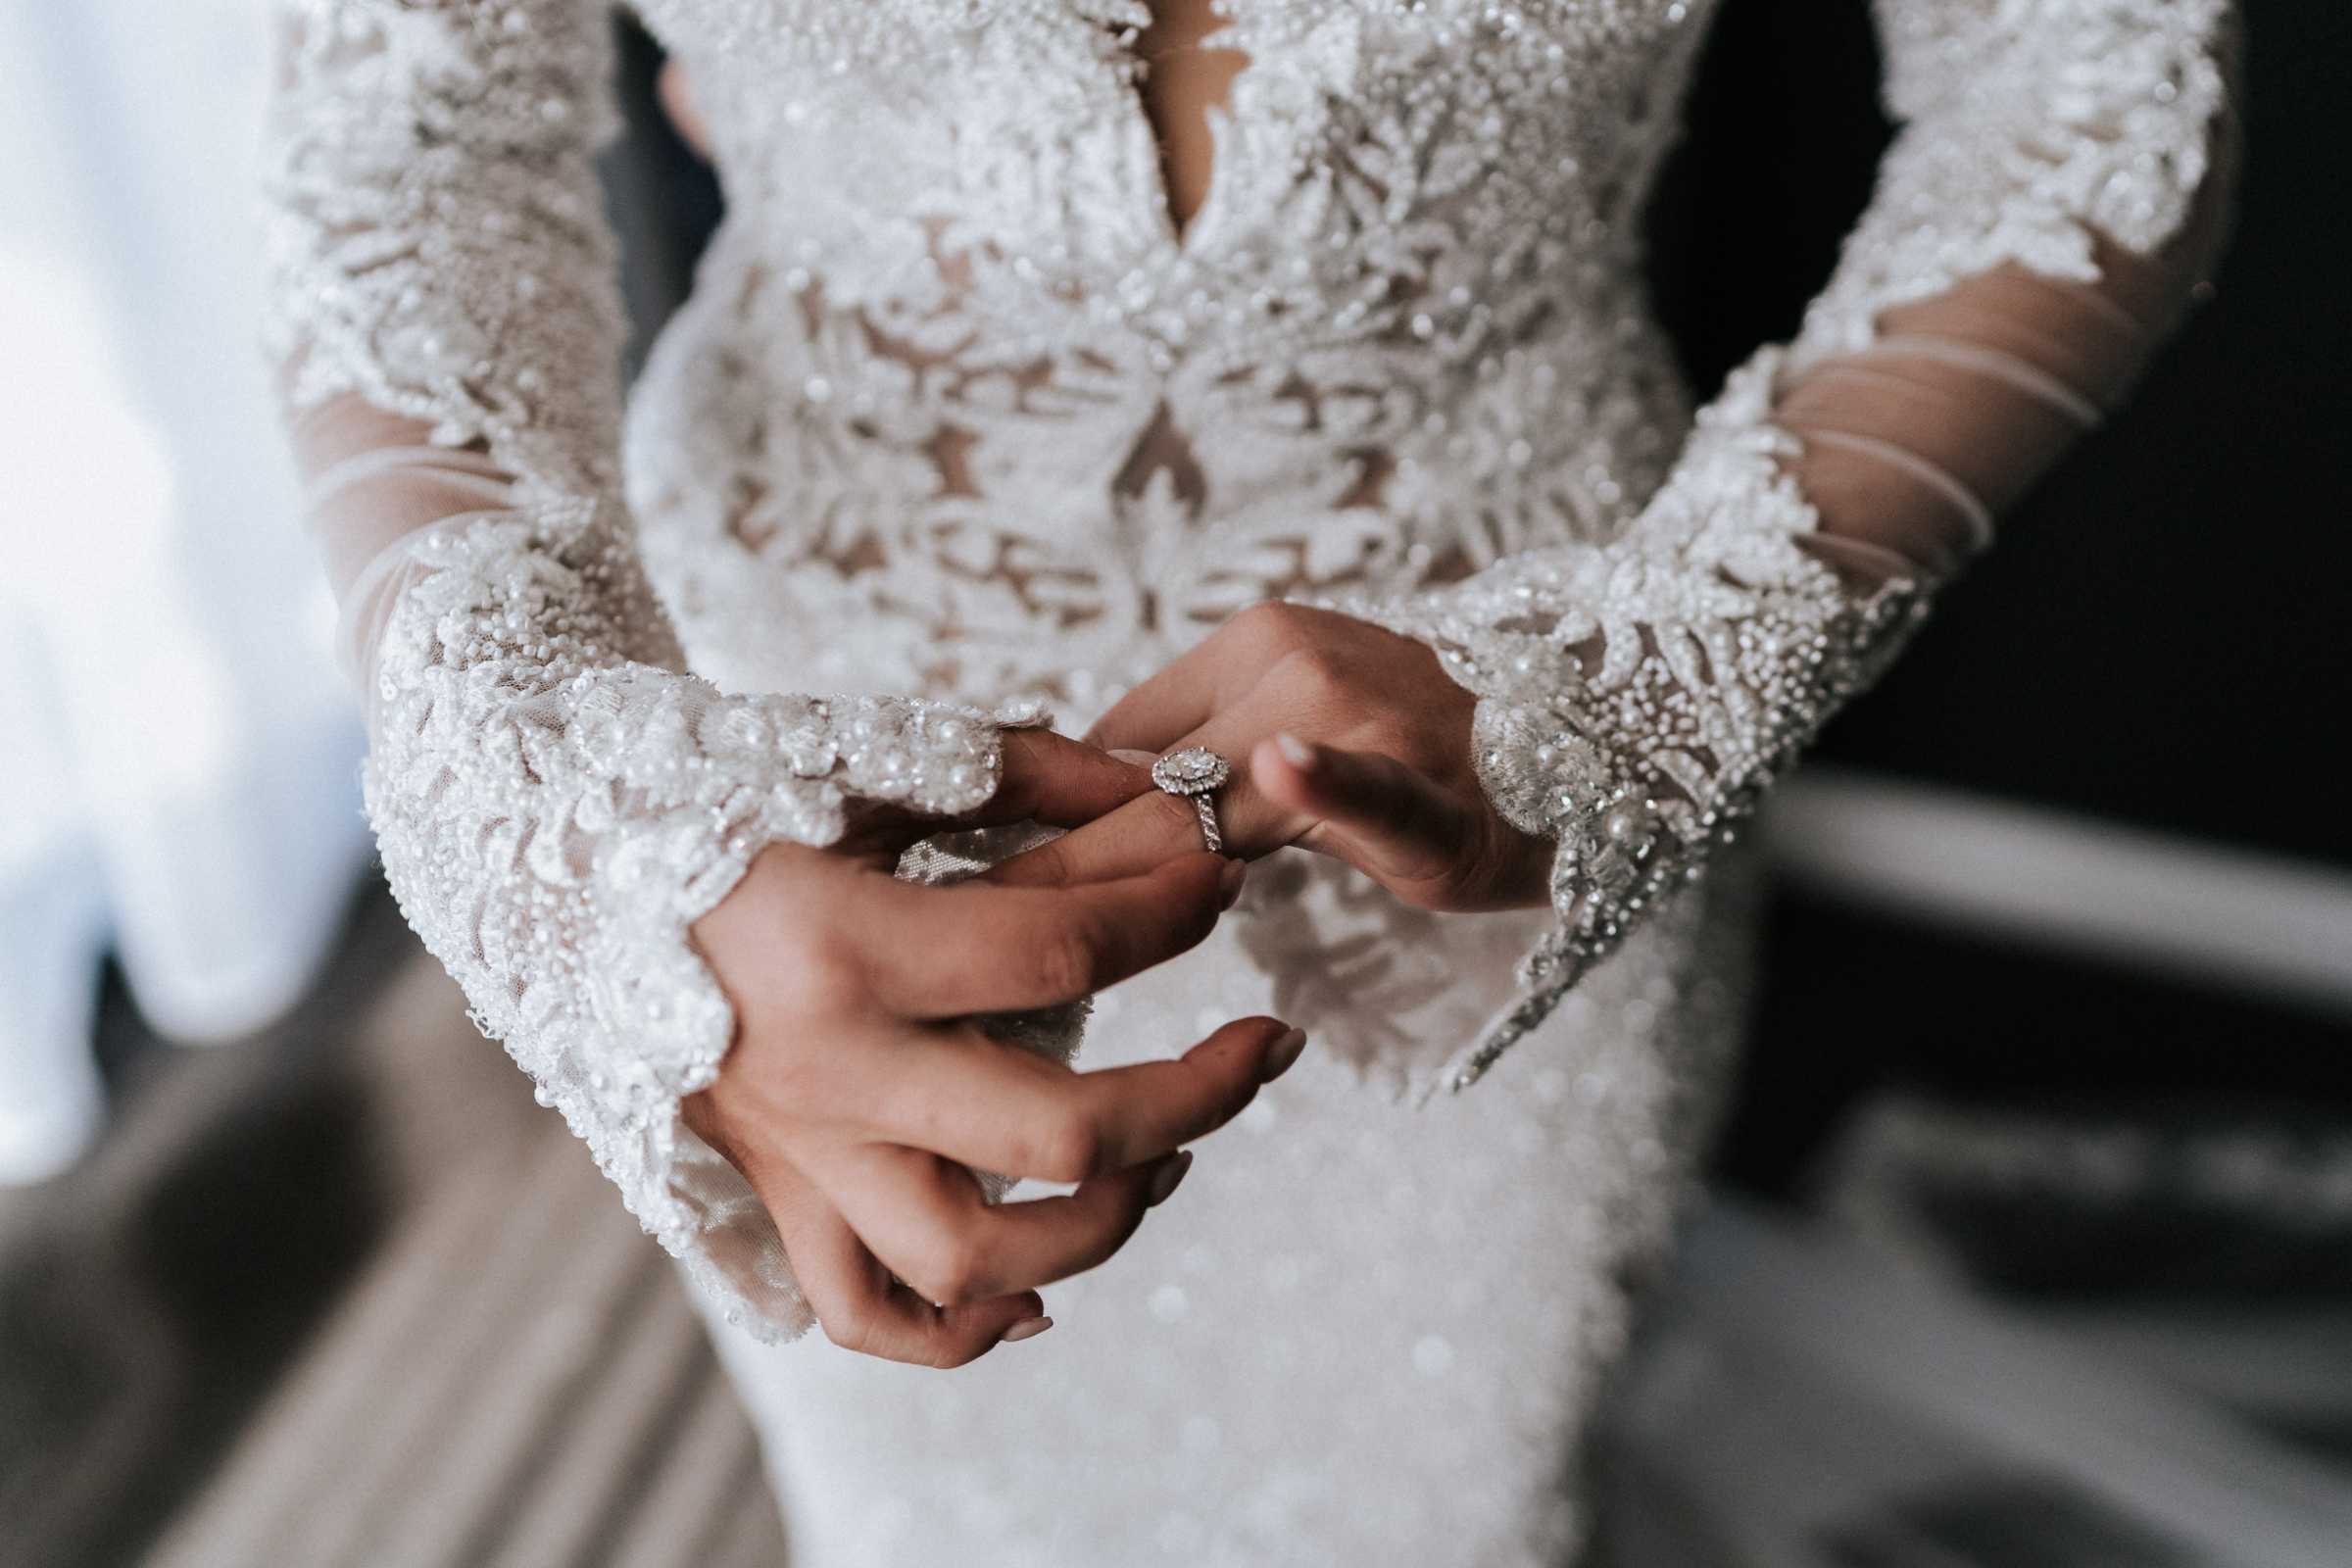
1389 820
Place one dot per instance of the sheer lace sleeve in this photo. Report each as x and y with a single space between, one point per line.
1638 697
555 800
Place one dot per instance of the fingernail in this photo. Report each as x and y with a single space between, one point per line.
1134 759
1295 752
1167 1179
1230 882
1283 1055
1028 1328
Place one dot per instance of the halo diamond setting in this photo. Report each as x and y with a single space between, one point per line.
1196 773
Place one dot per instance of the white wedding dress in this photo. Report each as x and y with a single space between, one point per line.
958 420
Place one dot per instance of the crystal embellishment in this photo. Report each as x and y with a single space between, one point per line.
1195 770
1194 774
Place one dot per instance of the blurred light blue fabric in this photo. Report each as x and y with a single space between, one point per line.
181 759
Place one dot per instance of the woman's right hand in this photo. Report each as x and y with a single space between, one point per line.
860 1094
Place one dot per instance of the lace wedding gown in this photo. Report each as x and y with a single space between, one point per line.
959 424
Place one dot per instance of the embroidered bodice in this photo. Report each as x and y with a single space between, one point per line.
958 417
975 388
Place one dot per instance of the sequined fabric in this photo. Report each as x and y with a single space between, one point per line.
958 416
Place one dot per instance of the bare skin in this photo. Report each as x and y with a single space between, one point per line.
1186 76
859 1097
860 1154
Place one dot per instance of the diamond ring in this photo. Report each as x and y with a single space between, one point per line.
1196 773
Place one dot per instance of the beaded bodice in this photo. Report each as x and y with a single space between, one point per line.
951 369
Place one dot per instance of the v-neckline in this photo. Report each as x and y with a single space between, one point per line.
1176 234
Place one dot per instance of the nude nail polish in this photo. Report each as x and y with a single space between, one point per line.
1283 1055
1028 1328
1295 752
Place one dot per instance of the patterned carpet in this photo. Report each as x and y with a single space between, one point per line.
343 1294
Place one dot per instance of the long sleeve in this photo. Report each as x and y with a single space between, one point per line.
1638 697
555 799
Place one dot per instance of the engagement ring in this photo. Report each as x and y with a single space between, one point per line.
1196 773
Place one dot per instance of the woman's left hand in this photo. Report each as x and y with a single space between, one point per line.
1345 739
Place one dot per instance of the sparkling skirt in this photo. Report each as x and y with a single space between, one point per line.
1366 1330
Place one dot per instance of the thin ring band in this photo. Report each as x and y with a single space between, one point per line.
1196 774
1212 836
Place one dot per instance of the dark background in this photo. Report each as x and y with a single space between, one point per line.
2160 634
2158 640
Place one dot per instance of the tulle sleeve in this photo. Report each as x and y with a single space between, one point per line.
1638 697
554 797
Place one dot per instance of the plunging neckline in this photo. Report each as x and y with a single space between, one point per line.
1177 232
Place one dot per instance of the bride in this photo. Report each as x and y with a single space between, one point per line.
1267 395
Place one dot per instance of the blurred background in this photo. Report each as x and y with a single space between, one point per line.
2033 1242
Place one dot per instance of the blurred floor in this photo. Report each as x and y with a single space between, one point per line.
343 1294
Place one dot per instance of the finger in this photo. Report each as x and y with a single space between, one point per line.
945 951
1176 701
994 1107
862 1309
1146 832
1151 828
1054 779
927 1219
1388 820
